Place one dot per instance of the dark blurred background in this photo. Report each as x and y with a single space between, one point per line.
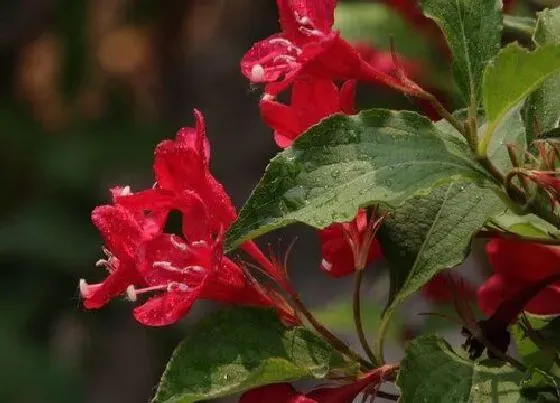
88 88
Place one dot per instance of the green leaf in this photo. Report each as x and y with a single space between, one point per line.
510 78
511 130
543 106
347 162
547 328
429 233
432 372
525 225
473 31
242 348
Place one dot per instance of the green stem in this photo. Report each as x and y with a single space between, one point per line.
327 334
358 318
383 328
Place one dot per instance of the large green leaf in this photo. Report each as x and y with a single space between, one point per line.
432 372
473 30
239 349
347 162
429 233
543 106
510 78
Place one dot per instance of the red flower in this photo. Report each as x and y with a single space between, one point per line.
313 99
342 243
285 393
124 235
308 44
517 265
178 269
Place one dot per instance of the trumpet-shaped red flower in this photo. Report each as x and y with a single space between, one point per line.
307 44
175 270
342 243
517 265
285 393
313 99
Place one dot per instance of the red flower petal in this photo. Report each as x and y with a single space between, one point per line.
165 309
282 119
523 261
313 99
311 14
499 288
119 228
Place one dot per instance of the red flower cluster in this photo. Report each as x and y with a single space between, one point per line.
308 45
285 393
175 270
517 265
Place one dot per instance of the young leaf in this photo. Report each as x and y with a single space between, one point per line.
511 130
510 78
432 372
429 233
347 162
238 349
543 106
472 29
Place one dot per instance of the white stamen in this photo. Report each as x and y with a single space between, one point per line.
257 73
326 265
131 293
304 20
199 244
126 191
102 263
83 287
177 287
310 32
290 47
178 243
196 269
285 58
268 97
164 265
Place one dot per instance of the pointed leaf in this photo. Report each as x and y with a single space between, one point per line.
347 162
239 349
429 233
543 106
510 78
432 372
473 30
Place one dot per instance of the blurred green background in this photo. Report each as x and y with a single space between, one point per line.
88 88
